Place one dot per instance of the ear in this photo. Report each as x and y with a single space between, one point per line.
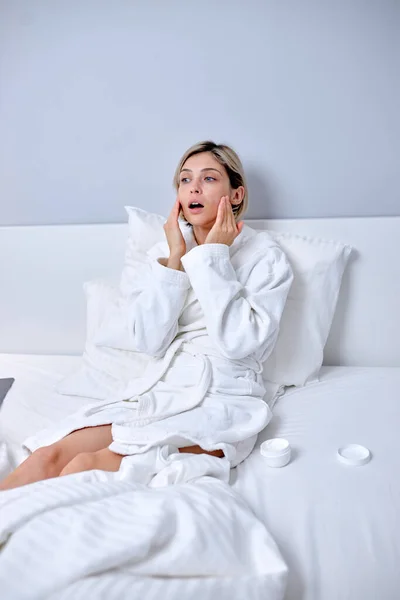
238 195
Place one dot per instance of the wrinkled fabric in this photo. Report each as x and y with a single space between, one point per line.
69 537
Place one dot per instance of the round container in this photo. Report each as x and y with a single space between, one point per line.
354 455
277 452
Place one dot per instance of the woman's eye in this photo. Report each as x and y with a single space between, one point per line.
209 178
184 179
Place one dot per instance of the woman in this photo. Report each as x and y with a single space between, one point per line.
224 307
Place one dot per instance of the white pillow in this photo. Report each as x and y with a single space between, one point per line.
104 370
318 266
145 231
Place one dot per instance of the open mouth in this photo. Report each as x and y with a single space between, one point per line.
195 207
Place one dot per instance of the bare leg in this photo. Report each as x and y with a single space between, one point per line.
49 461
198 450
105 460
79 451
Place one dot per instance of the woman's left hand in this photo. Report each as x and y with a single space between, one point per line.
225 228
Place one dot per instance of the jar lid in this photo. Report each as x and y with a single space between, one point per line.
354 455
274 447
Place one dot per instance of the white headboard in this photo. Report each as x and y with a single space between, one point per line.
42 269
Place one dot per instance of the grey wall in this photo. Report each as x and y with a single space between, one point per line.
98 99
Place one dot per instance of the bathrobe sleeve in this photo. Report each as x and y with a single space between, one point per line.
240 319
145 318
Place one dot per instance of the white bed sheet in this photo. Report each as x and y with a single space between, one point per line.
337 526
31 403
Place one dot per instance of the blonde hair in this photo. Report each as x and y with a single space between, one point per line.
228 158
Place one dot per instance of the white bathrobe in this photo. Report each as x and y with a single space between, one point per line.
208 330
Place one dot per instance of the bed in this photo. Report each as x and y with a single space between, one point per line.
336 526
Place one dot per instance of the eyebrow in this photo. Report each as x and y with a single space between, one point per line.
206 169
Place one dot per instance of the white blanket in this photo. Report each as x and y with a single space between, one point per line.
93 535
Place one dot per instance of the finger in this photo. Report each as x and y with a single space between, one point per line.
174 214
229 207
176 208
173 210
227 210
221 212
231 217
240 226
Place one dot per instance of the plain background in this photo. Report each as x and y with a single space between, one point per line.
99 99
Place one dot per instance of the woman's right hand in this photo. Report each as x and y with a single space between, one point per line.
175 239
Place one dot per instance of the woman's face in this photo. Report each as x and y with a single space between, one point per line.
204 180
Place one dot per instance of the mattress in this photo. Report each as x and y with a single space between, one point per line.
338 527
31 404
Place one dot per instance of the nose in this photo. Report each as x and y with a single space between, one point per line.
194 188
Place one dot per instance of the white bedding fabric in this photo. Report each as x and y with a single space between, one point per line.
338 527
29 405
187 527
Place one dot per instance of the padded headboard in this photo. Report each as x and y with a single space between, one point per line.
42 270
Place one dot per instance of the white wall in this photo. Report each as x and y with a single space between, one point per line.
99 98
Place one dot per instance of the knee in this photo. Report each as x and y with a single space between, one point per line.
47 456
48 459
